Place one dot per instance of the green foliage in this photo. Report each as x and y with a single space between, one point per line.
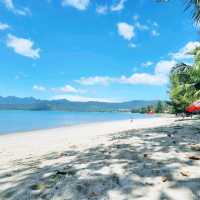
159 107
185 83
195 5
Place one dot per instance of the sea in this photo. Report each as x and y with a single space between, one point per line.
12 121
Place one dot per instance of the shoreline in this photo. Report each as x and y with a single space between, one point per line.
23 130
59 127
84 123
22 144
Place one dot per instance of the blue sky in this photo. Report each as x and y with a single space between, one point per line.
105 50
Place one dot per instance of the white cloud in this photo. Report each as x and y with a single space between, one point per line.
136 17
159 77
136 78
102 9
183 53
65 89
78 4
96 80
125 30
151 27
10 6
155 24
155 33
147 64
164 66
23 46
141 27
132 45
17 77
119 6
144 78
39 88
81 98
4 26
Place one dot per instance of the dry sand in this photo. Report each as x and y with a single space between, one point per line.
145 159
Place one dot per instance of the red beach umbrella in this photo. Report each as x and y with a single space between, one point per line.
195 106
151 112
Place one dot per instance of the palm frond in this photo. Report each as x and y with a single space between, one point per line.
195 6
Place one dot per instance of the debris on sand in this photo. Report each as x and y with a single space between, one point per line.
136 164
194 157
38 186
69 172
164 178
185 173
195 147
145 155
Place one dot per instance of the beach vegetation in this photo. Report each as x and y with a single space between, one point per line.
194 5
158 107
185 83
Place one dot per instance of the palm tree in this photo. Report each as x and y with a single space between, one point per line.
185 79
185 83
195 5
180 87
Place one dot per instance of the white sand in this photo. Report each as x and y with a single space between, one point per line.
144 159
36 143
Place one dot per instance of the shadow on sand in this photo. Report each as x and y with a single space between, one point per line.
137 164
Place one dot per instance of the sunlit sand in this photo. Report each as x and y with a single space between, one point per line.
143 159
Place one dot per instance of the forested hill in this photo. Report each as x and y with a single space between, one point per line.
30 103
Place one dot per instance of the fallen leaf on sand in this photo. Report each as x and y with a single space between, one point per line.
164 178
93 194
58 172
145 155
194 157
195 147
38 186
185 173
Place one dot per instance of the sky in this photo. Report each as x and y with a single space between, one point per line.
92 50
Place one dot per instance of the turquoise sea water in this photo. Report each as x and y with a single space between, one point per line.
19 121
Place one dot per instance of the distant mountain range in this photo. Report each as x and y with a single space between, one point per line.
30 103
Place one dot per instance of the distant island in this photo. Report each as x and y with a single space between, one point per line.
30 103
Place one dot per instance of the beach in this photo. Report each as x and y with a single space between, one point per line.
149 159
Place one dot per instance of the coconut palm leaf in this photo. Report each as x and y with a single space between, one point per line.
195 6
